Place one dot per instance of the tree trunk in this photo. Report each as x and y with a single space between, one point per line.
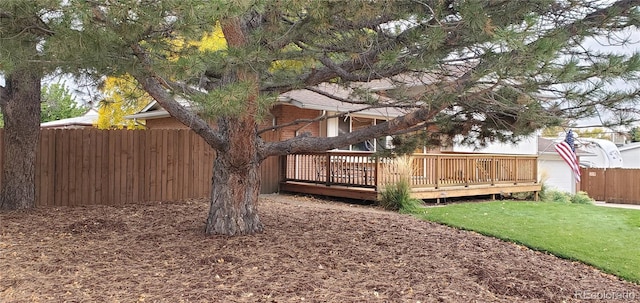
236 181
21 111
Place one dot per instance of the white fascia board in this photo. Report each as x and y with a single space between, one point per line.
149 115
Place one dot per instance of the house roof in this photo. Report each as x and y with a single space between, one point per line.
328 100
154 110
547 146
90 118
629 146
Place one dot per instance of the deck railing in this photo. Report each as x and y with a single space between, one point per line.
364 169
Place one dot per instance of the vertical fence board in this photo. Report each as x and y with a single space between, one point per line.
90 180
121 185
139 174
169 160
105 194
86 184
51 167
75 166
96 190
148 179
203 170
195 149
41 174
153 167
177 149
182 165
130 148
44 197
112 169
66 146
163 163
197 156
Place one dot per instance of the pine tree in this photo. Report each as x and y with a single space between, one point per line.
486 70
497 70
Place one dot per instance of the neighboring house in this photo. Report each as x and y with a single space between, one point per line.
527 146
88 120
153 116
553 172
630 154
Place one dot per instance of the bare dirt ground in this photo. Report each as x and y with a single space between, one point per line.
311 251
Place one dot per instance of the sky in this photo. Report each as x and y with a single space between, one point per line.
603 44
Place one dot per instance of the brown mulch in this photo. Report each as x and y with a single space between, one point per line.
312 250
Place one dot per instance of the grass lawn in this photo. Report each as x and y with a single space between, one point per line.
607 238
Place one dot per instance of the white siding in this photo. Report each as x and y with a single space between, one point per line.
555 174
527 146
631 158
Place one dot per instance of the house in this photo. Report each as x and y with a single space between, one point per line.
630 154
553 171
88 120
353 171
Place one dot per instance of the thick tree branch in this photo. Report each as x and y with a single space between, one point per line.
157 88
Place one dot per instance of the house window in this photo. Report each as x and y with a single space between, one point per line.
350 124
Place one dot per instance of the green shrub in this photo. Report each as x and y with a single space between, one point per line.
566 198
581 198
556 196
397 197
543 191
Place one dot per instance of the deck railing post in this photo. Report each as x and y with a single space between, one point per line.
327 168
515 177
438 171
492 169
535 169
467 171
376 169
283 165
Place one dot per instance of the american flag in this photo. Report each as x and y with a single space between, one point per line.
567 151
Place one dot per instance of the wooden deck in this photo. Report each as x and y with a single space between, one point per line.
361 175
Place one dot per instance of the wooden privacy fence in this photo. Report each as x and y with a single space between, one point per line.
613 185
89 166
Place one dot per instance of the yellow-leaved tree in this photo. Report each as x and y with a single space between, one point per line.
122 98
